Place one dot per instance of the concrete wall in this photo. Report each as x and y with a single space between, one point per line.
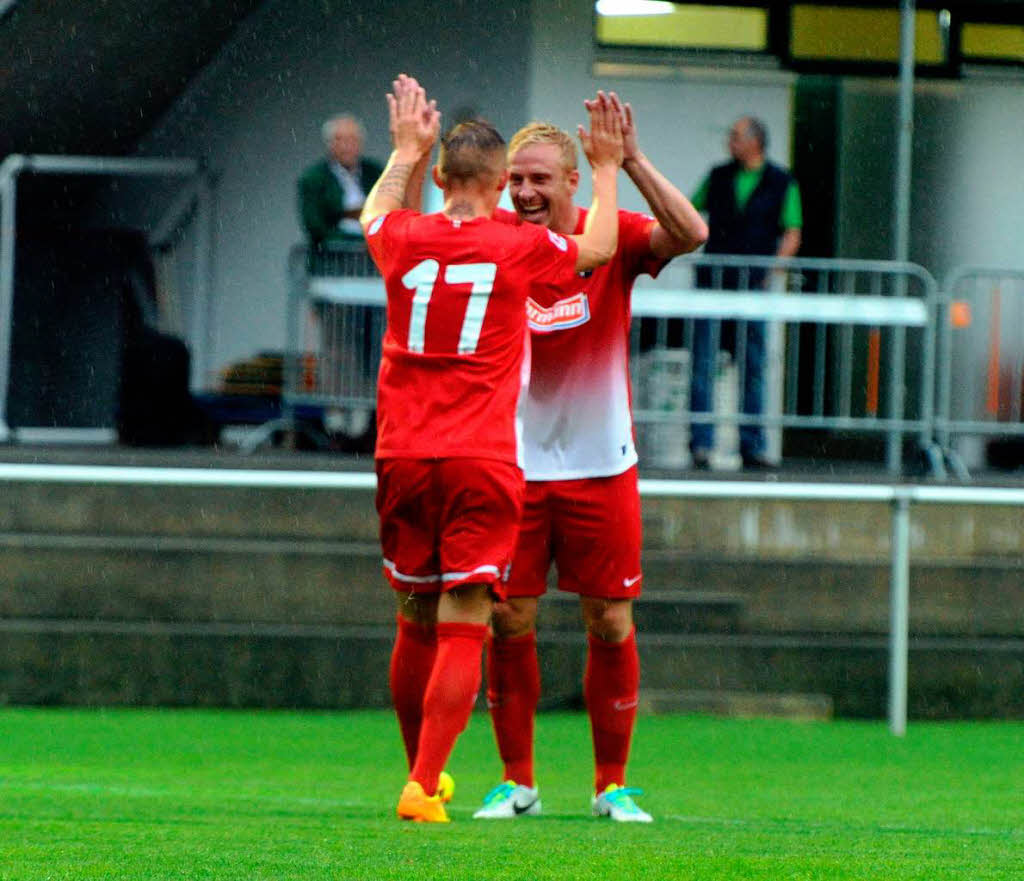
967 204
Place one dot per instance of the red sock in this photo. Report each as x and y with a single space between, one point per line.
451 691
412 659
610 687
513 690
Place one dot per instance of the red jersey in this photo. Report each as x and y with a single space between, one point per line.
452 364
577 415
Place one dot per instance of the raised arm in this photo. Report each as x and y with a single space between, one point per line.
680 227
414 189
414 123
602 146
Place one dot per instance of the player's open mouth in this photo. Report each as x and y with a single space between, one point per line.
532 213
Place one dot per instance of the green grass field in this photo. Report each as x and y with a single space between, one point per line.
143 794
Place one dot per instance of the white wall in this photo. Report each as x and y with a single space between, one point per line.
967 194
967 206
254 116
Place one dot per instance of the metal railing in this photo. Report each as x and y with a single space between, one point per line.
838 330
981 344
334 326
838 345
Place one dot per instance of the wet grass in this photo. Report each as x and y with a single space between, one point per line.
147 794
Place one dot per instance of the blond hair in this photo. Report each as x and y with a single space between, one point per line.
545 133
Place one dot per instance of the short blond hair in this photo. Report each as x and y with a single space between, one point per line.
545 133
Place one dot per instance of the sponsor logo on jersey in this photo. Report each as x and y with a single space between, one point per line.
571 312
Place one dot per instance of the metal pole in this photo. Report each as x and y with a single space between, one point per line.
202 316
904 153
140 167
8 218
901 219
899 614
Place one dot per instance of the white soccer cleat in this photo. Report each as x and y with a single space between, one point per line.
617 802
509 800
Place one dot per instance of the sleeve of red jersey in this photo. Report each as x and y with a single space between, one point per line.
383 234
635 244
546 256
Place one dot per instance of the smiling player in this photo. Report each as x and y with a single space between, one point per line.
582 507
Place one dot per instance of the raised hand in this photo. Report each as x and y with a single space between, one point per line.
603 144
631 148
414 121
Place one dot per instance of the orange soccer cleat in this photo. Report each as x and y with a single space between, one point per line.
416 805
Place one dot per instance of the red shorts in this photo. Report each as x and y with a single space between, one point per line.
448 522
590 527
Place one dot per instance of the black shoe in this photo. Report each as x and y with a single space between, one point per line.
700 460
757 462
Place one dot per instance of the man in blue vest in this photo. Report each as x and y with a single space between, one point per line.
753 207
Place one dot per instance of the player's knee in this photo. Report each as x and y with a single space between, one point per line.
419 608
610 620
512 619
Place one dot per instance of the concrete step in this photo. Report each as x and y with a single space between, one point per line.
983 597
738 704
290 580
195 511
656 611
137 663
733 528
193 580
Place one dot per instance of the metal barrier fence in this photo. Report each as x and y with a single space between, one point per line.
835 336
334 326
823 345
981 344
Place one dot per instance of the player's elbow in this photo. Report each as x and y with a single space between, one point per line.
605 252
692 237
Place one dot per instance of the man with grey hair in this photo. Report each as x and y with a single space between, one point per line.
333 189
331 195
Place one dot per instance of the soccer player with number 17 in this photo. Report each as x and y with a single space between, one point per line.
454 364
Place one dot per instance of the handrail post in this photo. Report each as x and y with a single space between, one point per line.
9 171
899 614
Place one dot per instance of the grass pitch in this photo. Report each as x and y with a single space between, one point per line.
183 794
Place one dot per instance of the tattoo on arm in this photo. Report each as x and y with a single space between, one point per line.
395 179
